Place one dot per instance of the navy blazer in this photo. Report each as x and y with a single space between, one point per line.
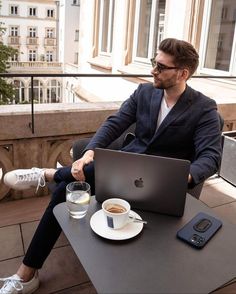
191 130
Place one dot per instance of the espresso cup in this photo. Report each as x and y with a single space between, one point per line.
117 213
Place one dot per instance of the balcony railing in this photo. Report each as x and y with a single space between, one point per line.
14 40
40 64
33 64
32 41
50 42
22 145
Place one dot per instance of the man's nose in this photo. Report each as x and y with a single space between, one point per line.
155 71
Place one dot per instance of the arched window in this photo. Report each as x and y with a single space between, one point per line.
20 92
53 91
38 91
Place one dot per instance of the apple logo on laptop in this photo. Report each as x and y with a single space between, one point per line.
138 183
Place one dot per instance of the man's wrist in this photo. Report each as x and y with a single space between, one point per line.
89 153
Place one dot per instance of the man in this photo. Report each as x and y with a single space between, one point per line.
172 120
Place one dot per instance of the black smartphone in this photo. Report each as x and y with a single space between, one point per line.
199 230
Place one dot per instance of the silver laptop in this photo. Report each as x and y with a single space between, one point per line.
148 182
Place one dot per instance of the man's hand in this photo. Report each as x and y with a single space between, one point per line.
78 166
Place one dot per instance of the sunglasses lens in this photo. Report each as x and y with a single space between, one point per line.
153 62
156 65
159 67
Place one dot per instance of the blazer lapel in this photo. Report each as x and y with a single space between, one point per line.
154 109
179 108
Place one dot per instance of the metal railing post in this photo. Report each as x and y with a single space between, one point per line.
32 105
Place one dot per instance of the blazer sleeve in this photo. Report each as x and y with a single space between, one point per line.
207 143
116 124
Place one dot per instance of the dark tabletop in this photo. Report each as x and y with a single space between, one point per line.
155 261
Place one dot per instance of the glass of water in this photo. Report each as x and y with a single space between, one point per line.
78 196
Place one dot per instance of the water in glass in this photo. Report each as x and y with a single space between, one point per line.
77 201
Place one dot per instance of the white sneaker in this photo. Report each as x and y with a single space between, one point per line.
14 285
22 179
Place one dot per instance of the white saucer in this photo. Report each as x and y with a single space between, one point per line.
99 226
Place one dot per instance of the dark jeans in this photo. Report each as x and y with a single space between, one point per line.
48 230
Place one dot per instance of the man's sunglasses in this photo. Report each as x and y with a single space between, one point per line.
161 67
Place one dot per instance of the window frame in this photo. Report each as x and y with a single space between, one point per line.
15 58
110 27
76 57
15 8
37 89
49 56
203 46
20 91
50 33
50 13
76 2
15 30
33 10
32 32
32 54
77 35
53 89
154 19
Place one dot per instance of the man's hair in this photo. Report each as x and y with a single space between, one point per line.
185 55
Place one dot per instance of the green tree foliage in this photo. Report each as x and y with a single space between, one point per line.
6 52
6 89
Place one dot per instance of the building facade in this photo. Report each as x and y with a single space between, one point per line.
32 27
69 23
115 36
121 37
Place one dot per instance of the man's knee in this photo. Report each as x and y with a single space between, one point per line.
90 176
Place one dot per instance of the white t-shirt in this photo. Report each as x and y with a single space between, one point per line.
164 110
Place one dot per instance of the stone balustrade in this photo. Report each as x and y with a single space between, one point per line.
56 127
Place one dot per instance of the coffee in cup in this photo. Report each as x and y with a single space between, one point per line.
115 208
117 213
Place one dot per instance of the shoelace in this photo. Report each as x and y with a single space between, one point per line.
41 181
9 283
34 175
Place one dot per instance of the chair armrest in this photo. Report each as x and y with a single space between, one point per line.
196 191
78 147
123 140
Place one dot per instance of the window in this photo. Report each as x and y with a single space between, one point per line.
32 32
37 91
15 57
14 10
14 31
106 17
148 29
32 11
49 56
49 33
53 91
76 35
32 55
220 42
76 2
76 58
20 92
50 13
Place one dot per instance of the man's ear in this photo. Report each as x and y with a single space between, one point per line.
184 74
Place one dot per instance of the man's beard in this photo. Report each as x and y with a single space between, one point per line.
164 84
